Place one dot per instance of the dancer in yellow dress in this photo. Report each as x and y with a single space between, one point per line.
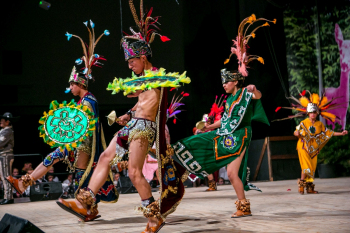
312 134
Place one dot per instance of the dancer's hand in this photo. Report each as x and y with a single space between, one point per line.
123 119
345 132
297 133
256 93
251 88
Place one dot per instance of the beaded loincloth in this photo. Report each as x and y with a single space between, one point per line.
135 129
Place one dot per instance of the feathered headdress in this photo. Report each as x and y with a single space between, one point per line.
175 103
216 109
147 31
215 112
314 103
90 59
240 45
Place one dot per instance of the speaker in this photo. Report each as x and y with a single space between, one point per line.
45 191
125 185
12 224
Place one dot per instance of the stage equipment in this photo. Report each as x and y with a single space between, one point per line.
12 224
45 191
125 185
45 5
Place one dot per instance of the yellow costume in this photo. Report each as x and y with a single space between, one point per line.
313 138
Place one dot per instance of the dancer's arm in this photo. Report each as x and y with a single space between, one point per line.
345 132
127 116
256 93
212 126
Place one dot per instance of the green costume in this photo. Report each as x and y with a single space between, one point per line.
203 154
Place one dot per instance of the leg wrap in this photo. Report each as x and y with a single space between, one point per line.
243 205
150 208
310 187
146 202
57 154
87 198
27 180
301 185
212 184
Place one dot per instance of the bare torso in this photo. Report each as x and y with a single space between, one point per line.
147 105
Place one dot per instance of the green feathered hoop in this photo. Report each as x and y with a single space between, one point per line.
66 125
151 79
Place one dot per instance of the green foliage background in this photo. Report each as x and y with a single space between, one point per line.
336 151
300 26
301 36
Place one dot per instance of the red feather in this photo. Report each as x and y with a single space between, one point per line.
164 38
150 12
215 112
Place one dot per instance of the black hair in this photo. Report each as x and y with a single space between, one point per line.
240 83
149 57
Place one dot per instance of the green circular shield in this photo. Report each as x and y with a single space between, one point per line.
66 125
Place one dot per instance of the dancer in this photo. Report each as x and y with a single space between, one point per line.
140 131
6 154
205 153
312 134
83 160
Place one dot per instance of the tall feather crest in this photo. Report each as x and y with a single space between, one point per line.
89 58
323 105
304 101
240 45
315 98
146 25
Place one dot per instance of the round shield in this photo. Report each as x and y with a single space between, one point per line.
67 125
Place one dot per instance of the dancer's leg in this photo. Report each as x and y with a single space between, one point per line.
101 171
84 205
242 204
39 171
232 172
137 153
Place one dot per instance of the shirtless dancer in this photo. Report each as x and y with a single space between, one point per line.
139 132
136 138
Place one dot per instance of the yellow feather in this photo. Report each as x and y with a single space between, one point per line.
323 101
304 101
329 115
315 98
